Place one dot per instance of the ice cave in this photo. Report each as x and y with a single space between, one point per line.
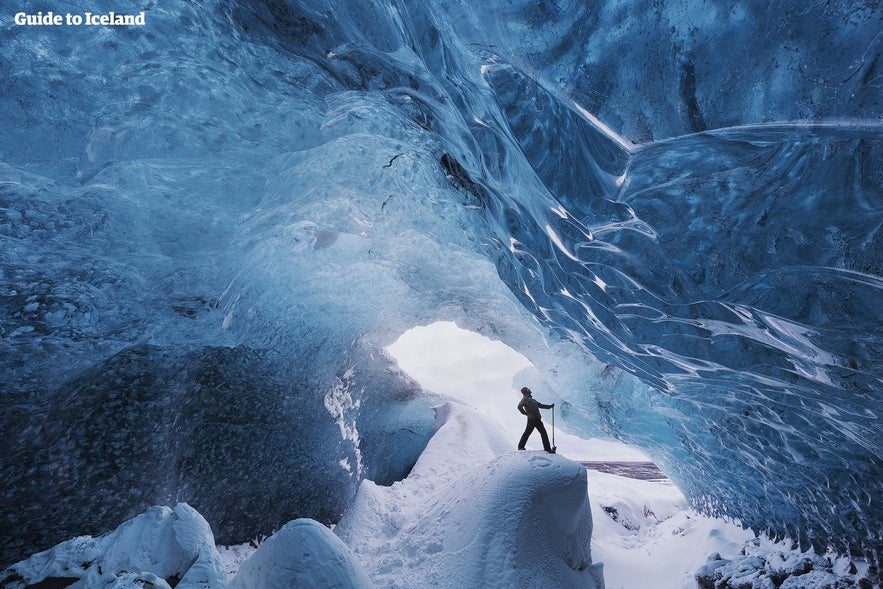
214 223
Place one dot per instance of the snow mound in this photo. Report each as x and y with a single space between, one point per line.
162 547
304 553
476 513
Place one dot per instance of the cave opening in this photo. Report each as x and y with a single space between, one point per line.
471 368
487 375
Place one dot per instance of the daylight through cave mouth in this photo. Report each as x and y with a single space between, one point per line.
487 375
467 366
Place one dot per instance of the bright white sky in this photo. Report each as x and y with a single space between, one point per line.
466 366
479 372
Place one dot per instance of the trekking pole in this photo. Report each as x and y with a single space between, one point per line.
554 447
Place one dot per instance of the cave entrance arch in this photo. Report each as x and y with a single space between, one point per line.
467 366
486 374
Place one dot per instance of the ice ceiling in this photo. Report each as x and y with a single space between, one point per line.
211 225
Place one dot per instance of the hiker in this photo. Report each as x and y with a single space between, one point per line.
531 408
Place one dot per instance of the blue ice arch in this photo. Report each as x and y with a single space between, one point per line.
212 224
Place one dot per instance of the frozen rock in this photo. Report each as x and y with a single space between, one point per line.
741 573
127 580
769 567
708 574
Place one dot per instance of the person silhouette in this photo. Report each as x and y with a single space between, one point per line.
531 408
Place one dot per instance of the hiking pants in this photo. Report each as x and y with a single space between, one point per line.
538 425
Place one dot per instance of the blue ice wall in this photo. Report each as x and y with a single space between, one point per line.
749 299
211 224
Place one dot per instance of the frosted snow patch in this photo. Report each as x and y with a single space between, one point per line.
647 535
162 547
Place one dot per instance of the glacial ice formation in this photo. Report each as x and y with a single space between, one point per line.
211 225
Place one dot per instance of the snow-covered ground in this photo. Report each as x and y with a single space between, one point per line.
474 512
647 536
644 532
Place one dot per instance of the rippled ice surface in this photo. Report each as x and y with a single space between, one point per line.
246 201
746 290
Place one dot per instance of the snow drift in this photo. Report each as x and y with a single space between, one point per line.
475 513
304 553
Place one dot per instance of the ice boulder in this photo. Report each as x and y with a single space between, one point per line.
162 547
304 553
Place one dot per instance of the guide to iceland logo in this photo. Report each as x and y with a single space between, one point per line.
56 19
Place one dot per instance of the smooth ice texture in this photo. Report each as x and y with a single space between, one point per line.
162 547
212 224
476 513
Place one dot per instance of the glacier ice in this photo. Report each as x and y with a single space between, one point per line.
213 224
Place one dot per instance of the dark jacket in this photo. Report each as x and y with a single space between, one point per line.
531 407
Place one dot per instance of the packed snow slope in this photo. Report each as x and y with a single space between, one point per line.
212 224
472 513
476 513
